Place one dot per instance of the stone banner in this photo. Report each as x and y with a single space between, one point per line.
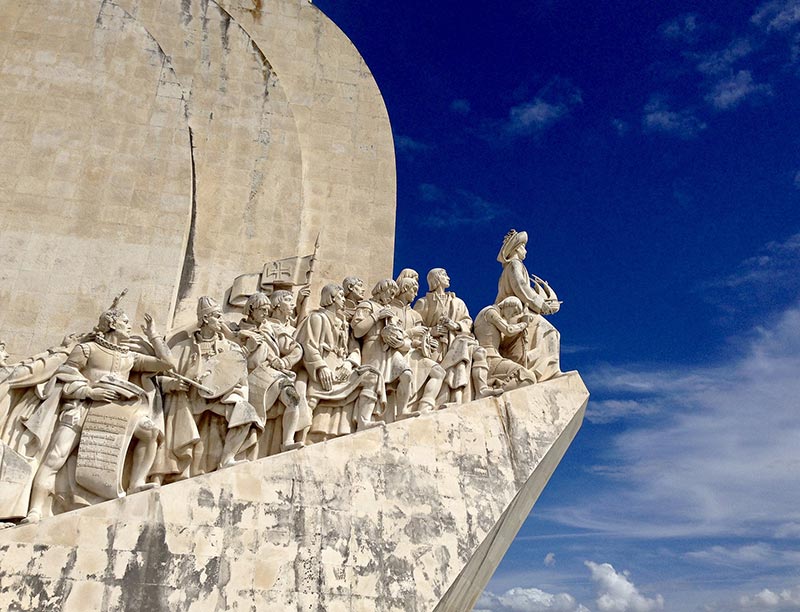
106 436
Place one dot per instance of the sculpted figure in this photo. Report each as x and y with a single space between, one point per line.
384 343
340 389
210 424
428 375
354 292
29 401
459 354
493 327
95 372
538 348
271 354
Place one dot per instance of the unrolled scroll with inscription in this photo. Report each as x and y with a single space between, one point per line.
106 436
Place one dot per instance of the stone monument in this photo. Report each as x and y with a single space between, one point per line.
293 441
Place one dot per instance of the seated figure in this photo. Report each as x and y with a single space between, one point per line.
495 325
85 377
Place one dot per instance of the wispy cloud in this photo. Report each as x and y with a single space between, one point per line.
459 207
760 282
777 15
550 559
730 92
685 28
551 104
410 146
616 592
607 411
765 600
760 554
720 62
658 117
528 600
721 458
461 106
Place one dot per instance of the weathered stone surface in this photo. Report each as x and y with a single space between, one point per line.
394 518
171 146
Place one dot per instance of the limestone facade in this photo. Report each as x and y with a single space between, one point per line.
169 146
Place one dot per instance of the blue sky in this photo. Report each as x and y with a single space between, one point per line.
651 152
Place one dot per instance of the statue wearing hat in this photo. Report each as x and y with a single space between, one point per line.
538 347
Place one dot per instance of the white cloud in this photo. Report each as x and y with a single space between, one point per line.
406 144
731 91
601 412
658 117
777 15
459 207
616 593
550 559
551 104
684 28
720 460
786 599
759 554
461 106
720 62
528 600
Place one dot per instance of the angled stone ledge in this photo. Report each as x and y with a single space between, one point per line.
414 516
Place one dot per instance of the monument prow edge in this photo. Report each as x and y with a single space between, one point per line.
412 516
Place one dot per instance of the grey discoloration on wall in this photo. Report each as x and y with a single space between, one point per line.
391 519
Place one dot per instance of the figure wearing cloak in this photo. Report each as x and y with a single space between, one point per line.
342 394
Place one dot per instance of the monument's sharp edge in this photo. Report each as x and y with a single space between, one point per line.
393 518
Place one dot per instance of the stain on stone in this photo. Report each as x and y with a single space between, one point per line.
256 10
186 11
205 498
225 24
189 262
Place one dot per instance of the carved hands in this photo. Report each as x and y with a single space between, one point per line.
173 385
98 394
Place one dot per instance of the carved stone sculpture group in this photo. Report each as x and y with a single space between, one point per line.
109 413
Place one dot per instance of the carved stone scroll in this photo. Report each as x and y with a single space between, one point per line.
107 433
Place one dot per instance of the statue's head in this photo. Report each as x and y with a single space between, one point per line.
510 307
3 354
384 291
353 288
257 307
209 313
332 294
407 273
282 301
438 277
407 289
114 320
514 246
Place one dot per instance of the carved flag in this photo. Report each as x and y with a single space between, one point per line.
290 271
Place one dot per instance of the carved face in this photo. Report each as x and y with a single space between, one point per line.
213 320
122 325
521 251
511 310
3 354
338 299
286 304
386 296
357 291
259 314
444 279
410 292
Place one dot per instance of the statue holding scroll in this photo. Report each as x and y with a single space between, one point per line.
340 390
95 374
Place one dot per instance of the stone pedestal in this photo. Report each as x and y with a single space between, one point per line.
414 516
